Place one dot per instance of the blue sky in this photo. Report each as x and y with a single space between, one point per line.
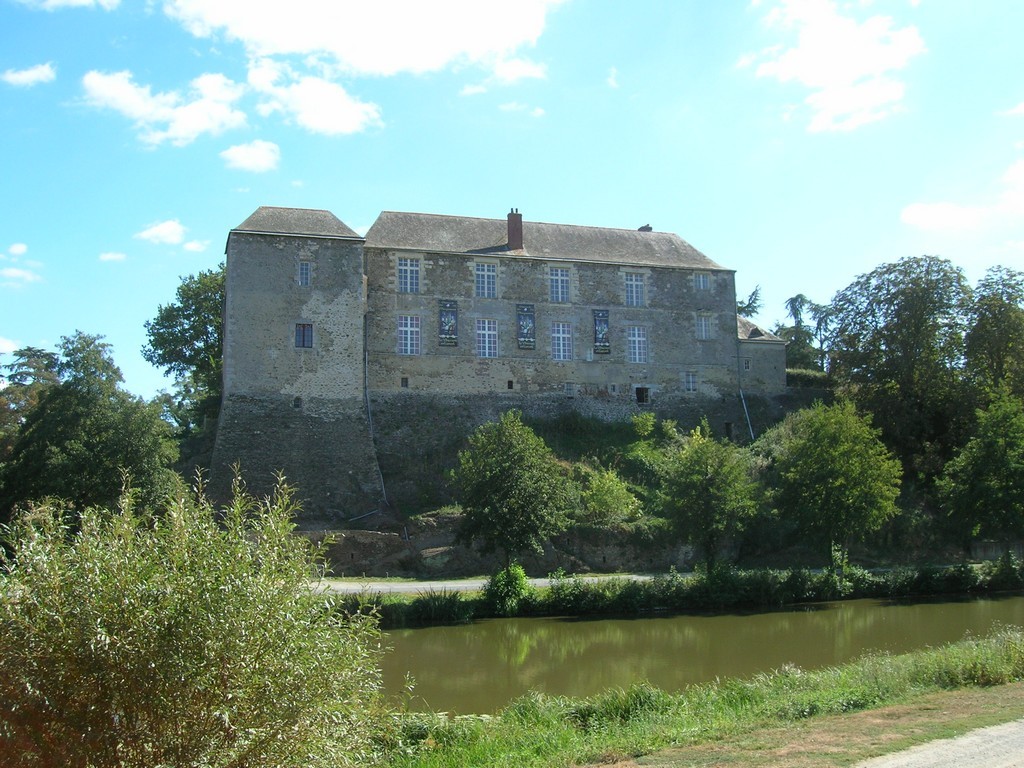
799 142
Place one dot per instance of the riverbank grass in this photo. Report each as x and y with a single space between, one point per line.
540 731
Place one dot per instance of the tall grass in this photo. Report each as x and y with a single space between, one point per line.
540 730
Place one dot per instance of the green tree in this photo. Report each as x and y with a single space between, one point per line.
605 497
995 339
982 488
513 492
708 491
186 340
752 305
805 347
190 638
831 473
28 376
83 433
896 346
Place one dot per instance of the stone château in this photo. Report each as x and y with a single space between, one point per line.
353 363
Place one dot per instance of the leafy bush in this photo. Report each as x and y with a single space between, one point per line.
807 377
190 638
506 590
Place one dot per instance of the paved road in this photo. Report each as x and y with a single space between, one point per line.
461 585
1001 746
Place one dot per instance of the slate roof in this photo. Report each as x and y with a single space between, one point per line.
750 331
463 235
296 221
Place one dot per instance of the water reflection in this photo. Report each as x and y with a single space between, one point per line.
480 667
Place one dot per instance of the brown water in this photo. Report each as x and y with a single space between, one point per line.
480 667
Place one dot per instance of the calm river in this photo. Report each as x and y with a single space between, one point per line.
478 668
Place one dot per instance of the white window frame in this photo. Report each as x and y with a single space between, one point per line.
561 341
703 327
690 381
486 280
702 281
636 344
635 289
558 284
305 276
486 338
408 332
408 275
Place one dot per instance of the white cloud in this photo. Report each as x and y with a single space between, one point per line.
613 78
364 38
18 276
8 345
514 70
515 106
169 232
18 249
113 256
196 246
1005 206
25 78
847 65
169 116
316 104
1018 110
53 5
472 90
256 156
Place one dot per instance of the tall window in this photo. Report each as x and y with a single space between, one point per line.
558 279
304 335
634 289
305 272
408 334
701 281
561 341
703 327
636 349
690 381
487 281
408 275
486 338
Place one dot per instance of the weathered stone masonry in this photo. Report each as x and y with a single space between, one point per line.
340 350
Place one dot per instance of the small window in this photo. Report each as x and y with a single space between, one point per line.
408 334
561 341
643 395
486 281
635 289
511 384
304 335
702 281
408 275
569 388
305 273
636 339
690 381
558 280
746 364
405 382
703 327
486 338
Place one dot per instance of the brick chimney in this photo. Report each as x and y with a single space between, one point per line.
515 230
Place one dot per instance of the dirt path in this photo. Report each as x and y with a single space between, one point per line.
850 740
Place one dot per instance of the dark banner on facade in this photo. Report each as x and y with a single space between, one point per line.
448 327
527 327
601 345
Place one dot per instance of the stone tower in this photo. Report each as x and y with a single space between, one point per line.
294 365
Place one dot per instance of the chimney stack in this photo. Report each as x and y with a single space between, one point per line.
515 230
646 228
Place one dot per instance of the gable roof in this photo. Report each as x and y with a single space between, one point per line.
464 235
270 220
750 331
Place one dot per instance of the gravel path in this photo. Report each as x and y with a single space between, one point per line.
1000 746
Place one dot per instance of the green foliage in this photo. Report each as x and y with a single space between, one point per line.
513 492
644 424
807 377
606 499
982 489
188 638
752 305
186 340
506 590
83 433
896 342
707 491
831 473
993 344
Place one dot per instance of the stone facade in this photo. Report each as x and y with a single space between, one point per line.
440 320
